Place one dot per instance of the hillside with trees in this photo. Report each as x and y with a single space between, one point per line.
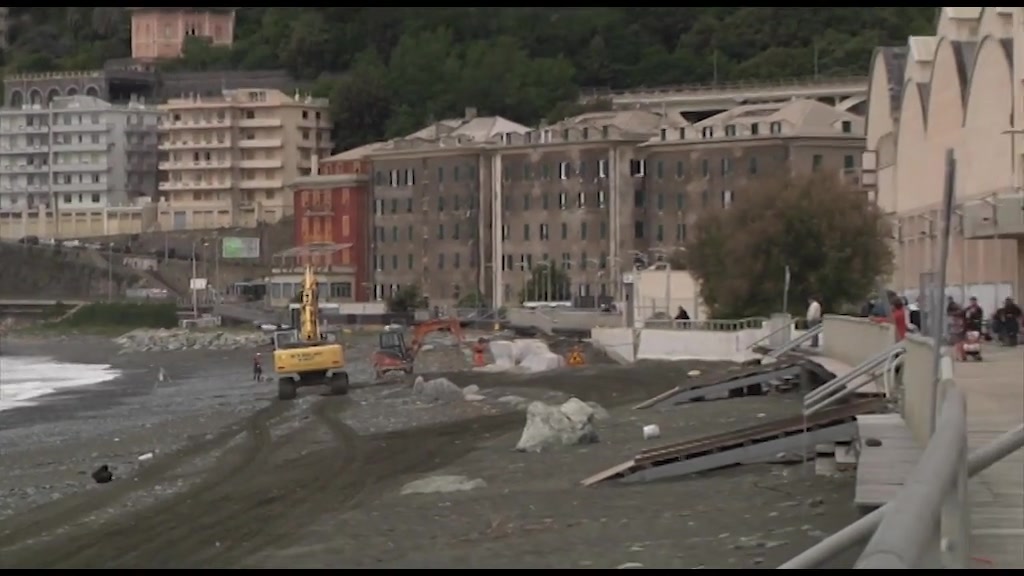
389 70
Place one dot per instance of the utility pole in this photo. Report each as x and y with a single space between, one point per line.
714 66
110 272
815 59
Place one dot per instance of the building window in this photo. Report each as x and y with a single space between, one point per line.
661 201
660 233
564 170
456 260
583 230
730 131
543 232
847 126
637 167
526 202
544 201
705 168
561 201
726 166
680 169
638 199
409 260
440 231
440 261
440 203
752 165
638 229
602 168
604 230
755 129
707 132
726 198
526 231
565 231
681 200
848 163
680 232
440 174
775 127
816 162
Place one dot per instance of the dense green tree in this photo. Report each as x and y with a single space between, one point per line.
832 238
406 299
394 69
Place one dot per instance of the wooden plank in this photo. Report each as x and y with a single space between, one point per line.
609 473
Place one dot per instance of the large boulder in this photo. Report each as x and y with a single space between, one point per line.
437 390
526 355
549 426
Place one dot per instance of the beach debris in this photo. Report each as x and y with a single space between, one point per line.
694 373
146 456
102 475
651 431
437 390
549 426
442 485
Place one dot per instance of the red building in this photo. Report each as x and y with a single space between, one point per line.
333 208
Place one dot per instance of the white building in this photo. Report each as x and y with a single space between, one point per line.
77 152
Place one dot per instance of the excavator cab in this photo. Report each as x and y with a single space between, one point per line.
393 341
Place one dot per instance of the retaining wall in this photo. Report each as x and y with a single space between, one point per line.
617 343
733 346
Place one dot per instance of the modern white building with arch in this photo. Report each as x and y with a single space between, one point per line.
959 89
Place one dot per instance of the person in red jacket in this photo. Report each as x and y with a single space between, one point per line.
898 318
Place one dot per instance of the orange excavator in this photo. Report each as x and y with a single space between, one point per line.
394 356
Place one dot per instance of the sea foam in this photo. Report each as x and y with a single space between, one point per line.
25 378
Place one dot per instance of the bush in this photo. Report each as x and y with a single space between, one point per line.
133 315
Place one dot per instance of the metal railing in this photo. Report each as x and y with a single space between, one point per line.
839 388
795 82
767 338
710 325
935 495
863 529
797 342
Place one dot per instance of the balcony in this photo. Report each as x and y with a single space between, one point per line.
261 184
21 187
82 147
195 165
23 168
59 128
262 164
195 145
80 187
165 124
261 143
260 123
24 129
81 167
25 150
186 185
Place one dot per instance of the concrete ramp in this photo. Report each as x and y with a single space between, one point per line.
526 355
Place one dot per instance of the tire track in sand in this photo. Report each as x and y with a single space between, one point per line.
72 510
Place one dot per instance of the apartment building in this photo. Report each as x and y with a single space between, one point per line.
76 153
226 161
432 195
160 33
593 195
705 164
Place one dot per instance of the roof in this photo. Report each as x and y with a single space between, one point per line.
356 153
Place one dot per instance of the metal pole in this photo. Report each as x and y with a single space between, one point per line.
110 272
668 289
940 292
192 287
216 268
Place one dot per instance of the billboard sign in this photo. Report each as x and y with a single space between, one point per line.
233 247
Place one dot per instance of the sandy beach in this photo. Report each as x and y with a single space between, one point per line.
212 471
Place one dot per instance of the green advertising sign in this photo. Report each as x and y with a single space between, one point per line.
235 247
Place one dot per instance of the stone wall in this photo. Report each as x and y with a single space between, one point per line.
41 272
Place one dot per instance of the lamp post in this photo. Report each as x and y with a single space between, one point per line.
192 282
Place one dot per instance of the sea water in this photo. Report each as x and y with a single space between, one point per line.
25 378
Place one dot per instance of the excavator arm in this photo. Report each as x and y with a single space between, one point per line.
422 329
309 310
392 355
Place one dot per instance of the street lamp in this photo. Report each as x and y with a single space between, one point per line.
192 281
597 264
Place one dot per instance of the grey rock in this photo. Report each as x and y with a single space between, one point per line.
437 390
548 426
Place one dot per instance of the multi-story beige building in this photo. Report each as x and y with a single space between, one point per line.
160 33
226 161
476 203
956 90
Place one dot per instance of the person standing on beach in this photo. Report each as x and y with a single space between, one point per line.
257 368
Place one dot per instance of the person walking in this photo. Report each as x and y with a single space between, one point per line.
813 317
257 368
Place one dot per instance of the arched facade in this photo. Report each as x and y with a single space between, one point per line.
957 93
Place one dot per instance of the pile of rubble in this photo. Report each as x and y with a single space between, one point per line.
162 340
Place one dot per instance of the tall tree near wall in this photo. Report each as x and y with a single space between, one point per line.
832 237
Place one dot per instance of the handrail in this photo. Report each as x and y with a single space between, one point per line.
787 326
905 534
797 342
861 530
861 369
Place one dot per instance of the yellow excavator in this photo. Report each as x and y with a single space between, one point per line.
305 356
